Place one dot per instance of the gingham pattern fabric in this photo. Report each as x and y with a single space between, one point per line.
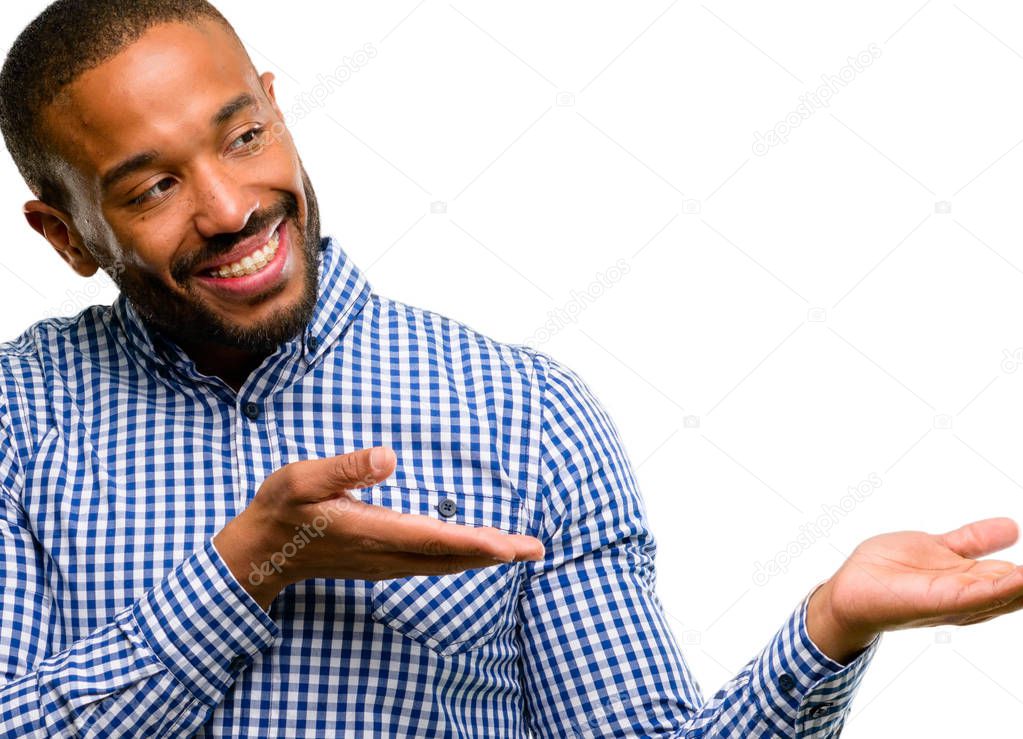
120 461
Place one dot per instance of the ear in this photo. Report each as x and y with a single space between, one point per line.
267 78
58 228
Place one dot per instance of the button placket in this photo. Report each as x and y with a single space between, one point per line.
255 449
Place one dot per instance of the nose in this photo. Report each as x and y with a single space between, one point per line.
222 204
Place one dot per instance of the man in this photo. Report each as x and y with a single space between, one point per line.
253 498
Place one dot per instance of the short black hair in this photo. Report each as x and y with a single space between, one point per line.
67 39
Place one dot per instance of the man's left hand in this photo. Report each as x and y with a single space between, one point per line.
907 579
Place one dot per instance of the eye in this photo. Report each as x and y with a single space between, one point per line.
253 142
141 199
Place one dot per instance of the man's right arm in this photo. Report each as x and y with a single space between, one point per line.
157 669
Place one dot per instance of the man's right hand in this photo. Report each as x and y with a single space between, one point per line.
304 523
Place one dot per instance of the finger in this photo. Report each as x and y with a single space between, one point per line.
396 565
313 480
990 568
981 616
981 537
416 534
989 592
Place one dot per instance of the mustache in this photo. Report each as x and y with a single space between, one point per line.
223 243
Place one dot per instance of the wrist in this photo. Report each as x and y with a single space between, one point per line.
835 637
251 561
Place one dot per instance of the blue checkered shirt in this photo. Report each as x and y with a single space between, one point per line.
120 461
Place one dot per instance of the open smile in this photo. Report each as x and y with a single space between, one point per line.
254 272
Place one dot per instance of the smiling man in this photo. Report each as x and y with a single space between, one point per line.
253 498
187 268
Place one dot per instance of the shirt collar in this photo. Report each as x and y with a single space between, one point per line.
341 293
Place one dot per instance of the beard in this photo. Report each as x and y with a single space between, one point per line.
187 320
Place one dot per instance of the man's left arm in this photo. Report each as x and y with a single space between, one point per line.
598 655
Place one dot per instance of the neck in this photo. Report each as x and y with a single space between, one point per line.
231 365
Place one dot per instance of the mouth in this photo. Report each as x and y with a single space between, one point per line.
253 272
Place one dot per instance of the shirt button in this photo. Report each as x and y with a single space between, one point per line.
313 343
786 681
239 662
252 410
448 507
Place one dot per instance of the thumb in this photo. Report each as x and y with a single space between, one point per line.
315 480
981 537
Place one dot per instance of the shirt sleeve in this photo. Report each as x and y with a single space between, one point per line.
598 656
157 669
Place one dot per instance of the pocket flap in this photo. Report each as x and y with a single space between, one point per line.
461 611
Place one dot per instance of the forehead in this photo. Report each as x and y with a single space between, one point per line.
157 93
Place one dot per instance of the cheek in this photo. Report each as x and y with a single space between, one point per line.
149 257
154 241
141 243
282 171
282 161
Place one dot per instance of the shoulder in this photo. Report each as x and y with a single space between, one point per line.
452 344
36 365
54 340
454 348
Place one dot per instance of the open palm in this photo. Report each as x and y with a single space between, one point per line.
907 579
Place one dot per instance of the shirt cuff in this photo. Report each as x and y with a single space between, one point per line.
203 625
801 691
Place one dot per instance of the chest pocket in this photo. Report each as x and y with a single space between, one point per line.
458 612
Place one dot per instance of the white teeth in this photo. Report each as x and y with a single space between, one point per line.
250 264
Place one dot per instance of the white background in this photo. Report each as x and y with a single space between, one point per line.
846 303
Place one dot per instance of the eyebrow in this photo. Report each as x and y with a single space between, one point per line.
143 159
